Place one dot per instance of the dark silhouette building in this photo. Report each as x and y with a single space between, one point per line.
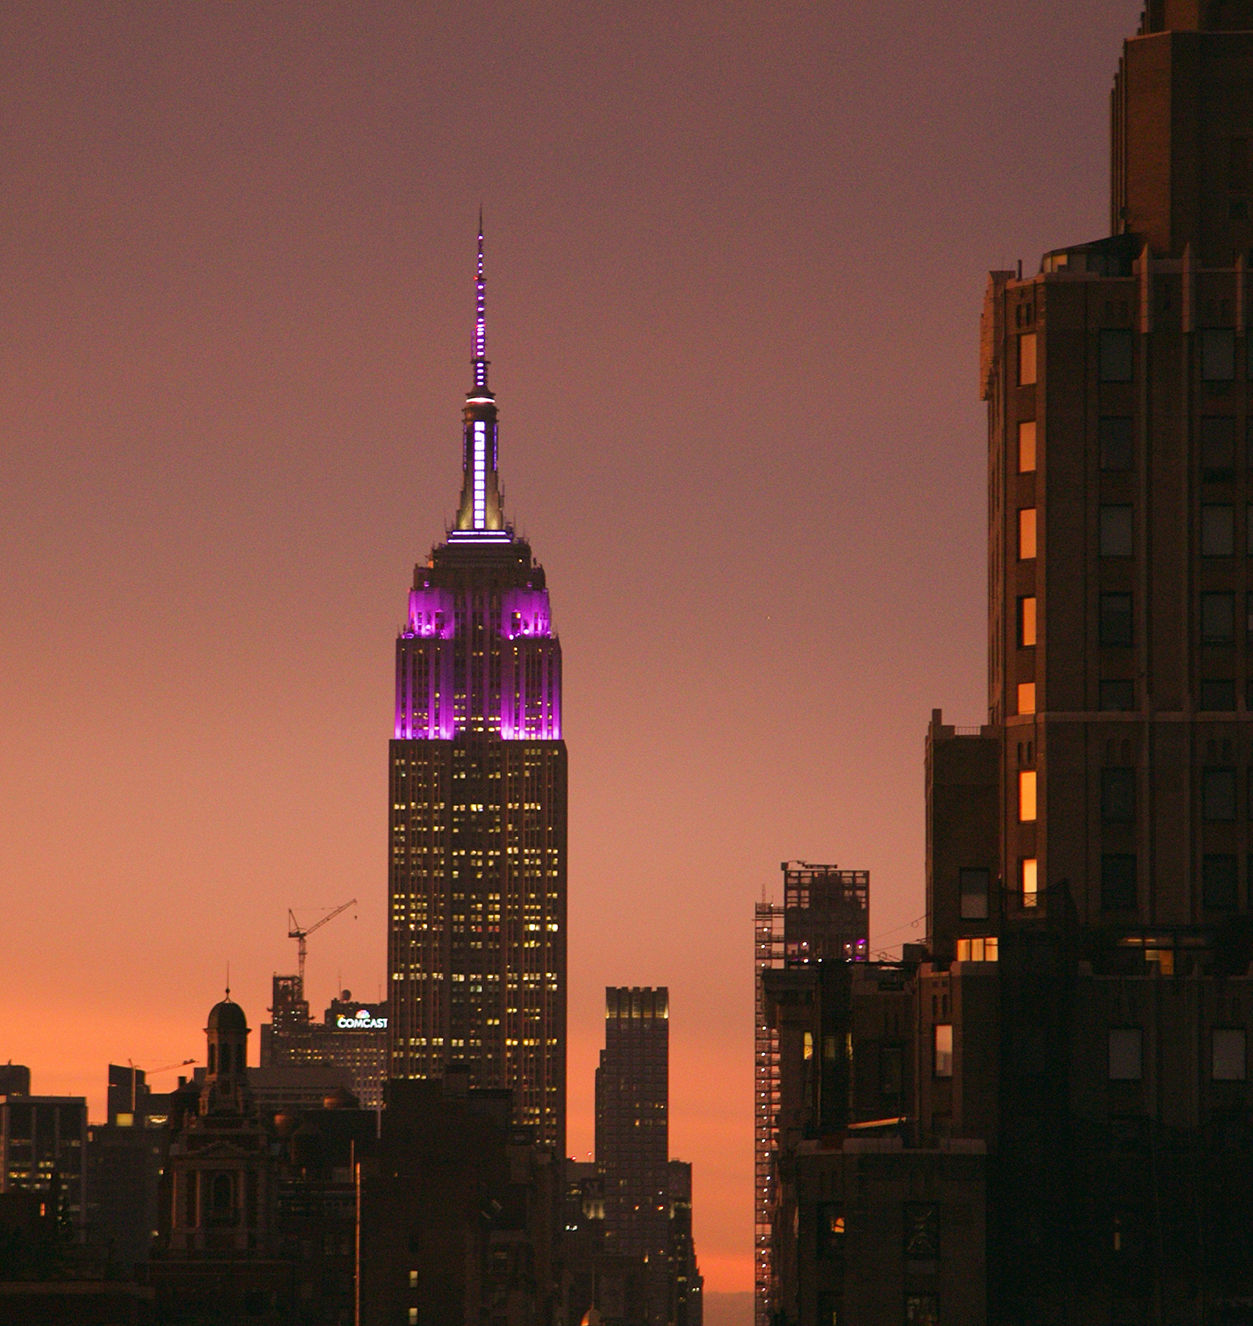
1074 1034
477 882
257 1209
43 1145
825 913
460 1210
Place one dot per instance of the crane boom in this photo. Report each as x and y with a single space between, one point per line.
301 935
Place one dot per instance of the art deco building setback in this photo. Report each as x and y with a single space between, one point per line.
477 874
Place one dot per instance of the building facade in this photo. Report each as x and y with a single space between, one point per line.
477 870
825 913
352 1035
43 1149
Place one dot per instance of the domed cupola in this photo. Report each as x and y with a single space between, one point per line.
226 1065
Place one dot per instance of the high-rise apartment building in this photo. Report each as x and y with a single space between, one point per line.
477 872
1089 849
825 914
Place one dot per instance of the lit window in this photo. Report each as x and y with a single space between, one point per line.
413 1279
1026 622
1026 447
977 950
1026 359
1116 531
1026 697
943 1049
1026 796
1229 1054
809 1045
1026 533
1126 1054
1218 530
974 893
413 1316
1029 879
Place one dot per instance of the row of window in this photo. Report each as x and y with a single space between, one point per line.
1116 356
1219 801
1116 623
1220 882
1116 445
1116 531
1228 1053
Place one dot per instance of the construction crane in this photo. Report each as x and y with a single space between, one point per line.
301 935
151 1072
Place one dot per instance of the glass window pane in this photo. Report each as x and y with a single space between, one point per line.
1026 533
1218 618
1218 355
1114 434
1115 623
1026 795
974 883
1026 622
1219 882
1218 530
1026 447
1026 697
943 1049
1126 1054
1218 695
1218 448
1117 695
1116 531
1229 1054
1029 879
1115 355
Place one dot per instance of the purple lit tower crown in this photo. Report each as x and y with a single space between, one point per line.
478 801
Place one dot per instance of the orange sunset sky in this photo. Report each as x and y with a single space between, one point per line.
735 261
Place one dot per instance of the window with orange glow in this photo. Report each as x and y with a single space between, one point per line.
1026 447
1026 796
1026 533
943 1049
1027 622
1026 697
1030 881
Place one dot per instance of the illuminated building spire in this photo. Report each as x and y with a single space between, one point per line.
480 318
480 516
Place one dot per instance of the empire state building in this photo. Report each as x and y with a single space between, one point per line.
477 871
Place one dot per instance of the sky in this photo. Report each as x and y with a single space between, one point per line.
736 256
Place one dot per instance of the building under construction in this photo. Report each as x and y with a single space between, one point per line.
825 914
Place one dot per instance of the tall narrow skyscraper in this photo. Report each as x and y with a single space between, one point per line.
477 871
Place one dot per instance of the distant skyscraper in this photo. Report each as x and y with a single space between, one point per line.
477 876
632 1131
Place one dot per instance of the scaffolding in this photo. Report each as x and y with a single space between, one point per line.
767 952
825 915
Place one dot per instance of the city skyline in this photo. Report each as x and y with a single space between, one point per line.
228 403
